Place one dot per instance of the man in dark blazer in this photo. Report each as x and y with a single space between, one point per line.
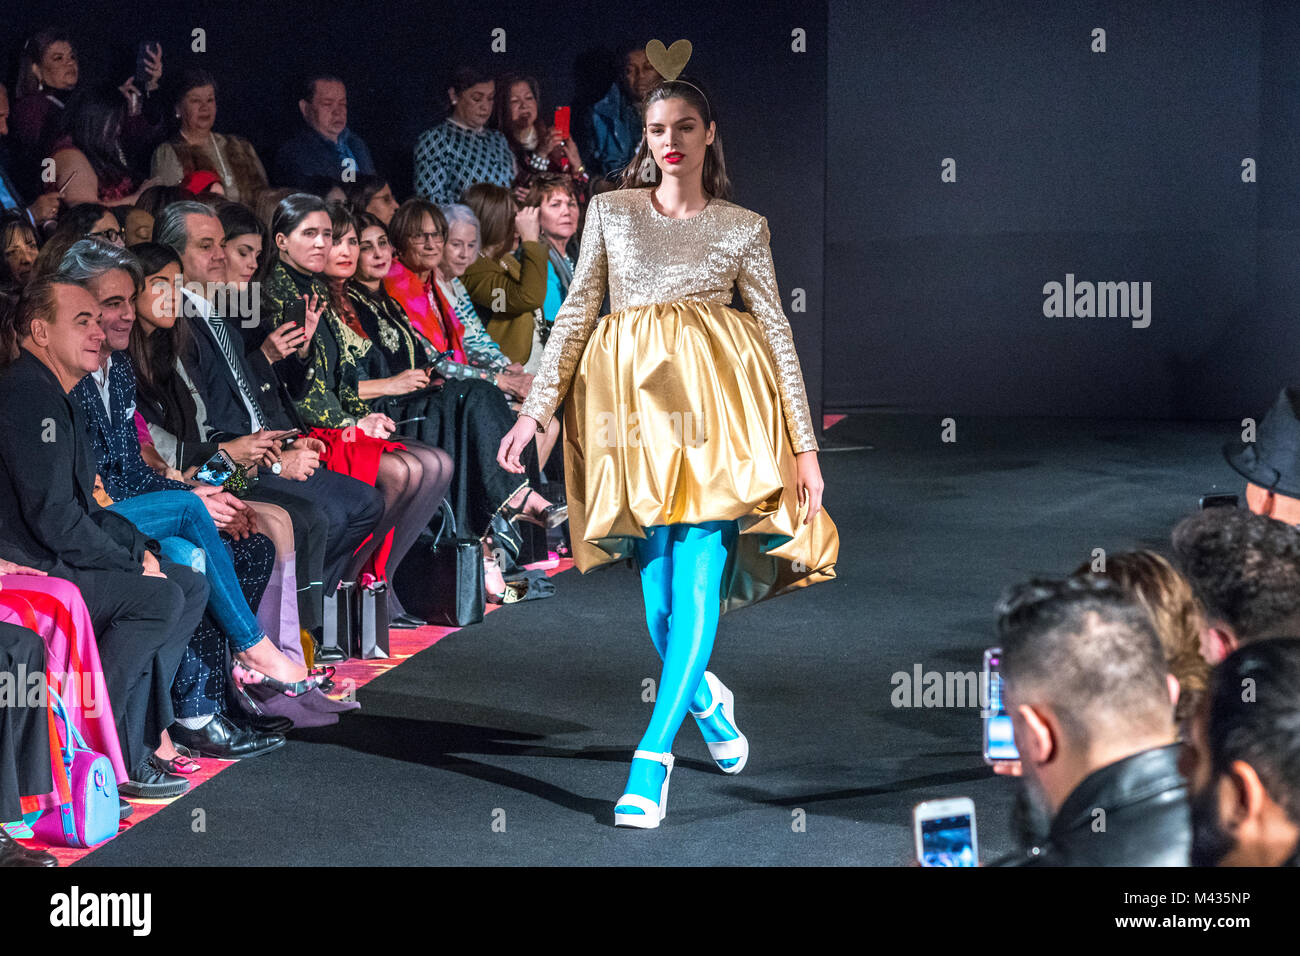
144 608
243 393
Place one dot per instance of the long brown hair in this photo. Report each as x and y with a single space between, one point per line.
1169 601
495 208
643 171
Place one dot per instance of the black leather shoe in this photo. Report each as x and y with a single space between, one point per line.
150 782
261 724
124 809
13 853
406 622
222 740
330 653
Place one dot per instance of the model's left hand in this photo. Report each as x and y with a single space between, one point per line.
809 483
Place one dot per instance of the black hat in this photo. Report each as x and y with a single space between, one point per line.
1272 461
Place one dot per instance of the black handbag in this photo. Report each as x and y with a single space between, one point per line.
441 577
373 618
340 620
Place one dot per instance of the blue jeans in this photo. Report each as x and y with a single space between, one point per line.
182 525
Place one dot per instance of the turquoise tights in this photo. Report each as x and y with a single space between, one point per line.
681 577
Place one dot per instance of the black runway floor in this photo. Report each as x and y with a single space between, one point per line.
508 742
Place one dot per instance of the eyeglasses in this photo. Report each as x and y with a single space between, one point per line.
109 235
429 238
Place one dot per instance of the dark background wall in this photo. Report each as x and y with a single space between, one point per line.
921 295
1124 165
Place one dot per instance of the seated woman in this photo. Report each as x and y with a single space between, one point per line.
507 287
463 355
89 159
373 195
87 220
18 244
173 409
196 147
412 477
462 149
54 609
538 147
455 405
461 249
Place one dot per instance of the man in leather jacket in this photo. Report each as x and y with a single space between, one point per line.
1242 759
1088 691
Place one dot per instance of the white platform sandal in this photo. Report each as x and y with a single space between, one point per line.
719 750
651 812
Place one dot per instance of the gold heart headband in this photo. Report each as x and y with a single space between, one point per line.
670 61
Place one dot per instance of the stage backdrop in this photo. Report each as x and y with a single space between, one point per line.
1148 143
764 67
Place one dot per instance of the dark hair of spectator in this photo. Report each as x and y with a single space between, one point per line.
1244 568
94 120
495 208
1261 728
289 215
10 224
33 53
408 222
1087 648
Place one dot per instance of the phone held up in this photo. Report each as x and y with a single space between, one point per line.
217 470
999 739
945 832
295 311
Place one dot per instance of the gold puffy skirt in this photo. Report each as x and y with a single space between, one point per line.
674 416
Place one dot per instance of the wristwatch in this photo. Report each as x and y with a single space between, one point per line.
276 468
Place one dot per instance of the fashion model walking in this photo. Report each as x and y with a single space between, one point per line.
688 443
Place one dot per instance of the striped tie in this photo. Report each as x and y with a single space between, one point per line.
218 326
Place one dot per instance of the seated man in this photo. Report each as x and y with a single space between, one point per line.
1243 759
144 608
245 394
1086 685
1245 571
167 510
323 145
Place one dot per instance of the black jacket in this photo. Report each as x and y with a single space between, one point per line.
227 415
1146 822
48 509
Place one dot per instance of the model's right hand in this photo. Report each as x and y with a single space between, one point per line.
514 443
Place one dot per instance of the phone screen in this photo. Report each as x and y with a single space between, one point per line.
215 471
999 738
946 841
562 121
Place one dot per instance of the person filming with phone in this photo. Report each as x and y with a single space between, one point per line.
1088 691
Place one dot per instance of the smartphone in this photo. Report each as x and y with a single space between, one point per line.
999 740
945 832
142 52
295 311
1218 501
217 470
562 121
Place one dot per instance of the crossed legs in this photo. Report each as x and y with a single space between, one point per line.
681 576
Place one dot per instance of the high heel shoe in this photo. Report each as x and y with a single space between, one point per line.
736 749
651 812
245 676
552 516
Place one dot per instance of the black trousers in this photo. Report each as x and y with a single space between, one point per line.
467 418
311 529
143 626
24 729
352 509
199 688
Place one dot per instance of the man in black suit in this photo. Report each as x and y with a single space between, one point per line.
243 392
144 608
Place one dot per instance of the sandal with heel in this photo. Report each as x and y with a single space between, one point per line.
652 812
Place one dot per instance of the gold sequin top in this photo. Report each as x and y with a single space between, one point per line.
645 258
